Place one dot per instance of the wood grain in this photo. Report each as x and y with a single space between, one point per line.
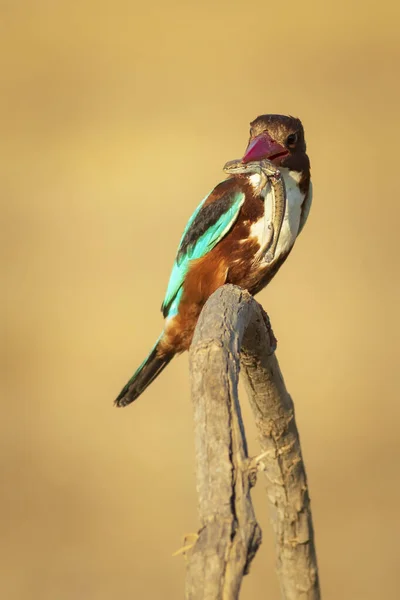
234 329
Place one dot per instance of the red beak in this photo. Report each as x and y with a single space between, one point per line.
263 146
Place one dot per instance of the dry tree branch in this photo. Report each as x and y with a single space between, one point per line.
234 329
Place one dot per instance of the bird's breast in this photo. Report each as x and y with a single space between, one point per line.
291 220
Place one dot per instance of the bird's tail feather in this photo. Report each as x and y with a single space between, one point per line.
150 368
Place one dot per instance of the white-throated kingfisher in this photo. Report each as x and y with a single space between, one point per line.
222 240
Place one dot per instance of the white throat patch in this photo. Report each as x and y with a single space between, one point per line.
255 180
291 220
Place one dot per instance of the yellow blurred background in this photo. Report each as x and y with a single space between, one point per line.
117 118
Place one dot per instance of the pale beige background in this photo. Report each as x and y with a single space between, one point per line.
116 120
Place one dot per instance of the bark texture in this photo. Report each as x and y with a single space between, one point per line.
234 329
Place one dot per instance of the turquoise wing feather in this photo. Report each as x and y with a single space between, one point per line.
205 228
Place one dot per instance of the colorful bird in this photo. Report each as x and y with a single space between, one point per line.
222 240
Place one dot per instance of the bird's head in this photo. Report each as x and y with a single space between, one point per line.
278 138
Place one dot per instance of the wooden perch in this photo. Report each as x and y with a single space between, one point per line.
234 329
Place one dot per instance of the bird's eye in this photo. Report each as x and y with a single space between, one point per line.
291 139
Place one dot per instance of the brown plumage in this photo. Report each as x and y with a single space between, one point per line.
234 259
